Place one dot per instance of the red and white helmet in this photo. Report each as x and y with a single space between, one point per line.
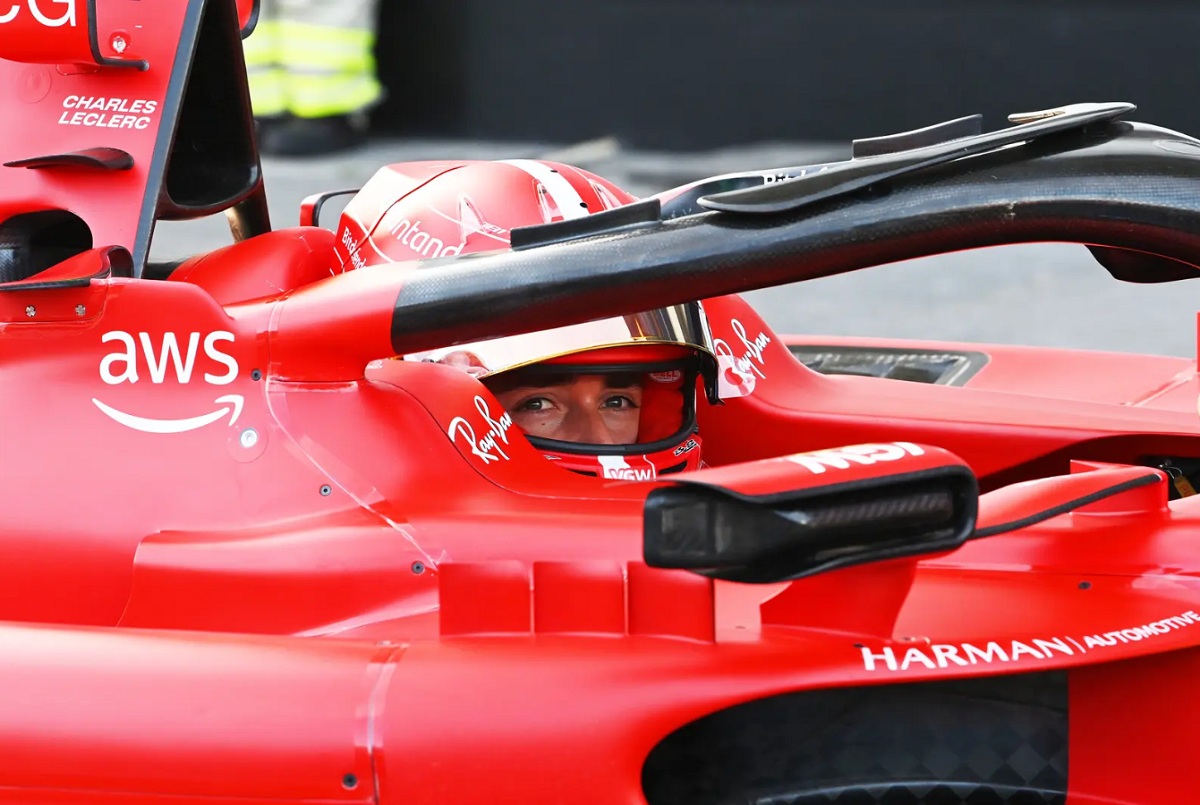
449 209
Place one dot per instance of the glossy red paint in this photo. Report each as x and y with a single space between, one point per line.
383 225
66 103
248 555
1077 405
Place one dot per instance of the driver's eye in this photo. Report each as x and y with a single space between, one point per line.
619 401
534 404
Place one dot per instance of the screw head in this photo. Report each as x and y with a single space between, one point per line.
248 437
418 567
256 374
326 490
30 311
119 42
350 781
80 310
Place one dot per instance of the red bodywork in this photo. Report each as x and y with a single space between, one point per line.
249 557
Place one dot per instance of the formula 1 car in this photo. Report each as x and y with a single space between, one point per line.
247 558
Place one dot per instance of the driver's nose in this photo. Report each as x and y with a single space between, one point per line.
593 429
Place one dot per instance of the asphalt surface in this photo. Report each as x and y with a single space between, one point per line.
1045 294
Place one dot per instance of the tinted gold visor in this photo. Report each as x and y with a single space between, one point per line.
678 325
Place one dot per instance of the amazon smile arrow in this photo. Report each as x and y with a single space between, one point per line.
230 404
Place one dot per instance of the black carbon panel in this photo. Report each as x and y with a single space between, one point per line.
971 742
12 262
33 242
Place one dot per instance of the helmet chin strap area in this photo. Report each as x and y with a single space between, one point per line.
634 466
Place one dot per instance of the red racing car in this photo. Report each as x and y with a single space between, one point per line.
284 522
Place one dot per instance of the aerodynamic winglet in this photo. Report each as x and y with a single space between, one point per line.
110 159
857 174
77 271
969 126
630 216
143 79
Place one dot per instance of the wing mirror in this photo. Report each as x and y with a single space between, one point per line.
783 519
316 210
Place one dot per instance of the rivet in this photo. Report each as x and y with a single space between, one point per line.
418 568
256 374
80 310
350 781
30 311
248 437
326 490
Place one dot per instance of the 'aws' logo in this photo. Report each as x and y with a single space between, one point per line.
165 360
157 358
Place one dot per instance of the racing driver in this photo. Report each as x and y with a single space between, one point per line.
614 398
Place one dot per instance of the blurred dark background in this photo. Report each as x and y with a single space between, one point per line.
695 74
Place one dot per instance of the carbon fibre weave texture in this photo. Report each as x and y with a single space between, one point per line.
1124 185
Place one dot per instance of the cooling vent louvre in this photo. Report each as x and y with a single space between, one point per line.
915 365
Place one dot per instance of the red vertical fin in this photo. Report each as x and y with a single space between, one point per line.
864 599
671 603
484 597
579 597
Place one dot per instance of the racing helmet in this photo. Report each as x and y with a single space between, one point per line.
651 362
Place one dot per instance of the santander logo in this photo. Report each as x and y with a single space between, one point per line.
165 358
64 8
410 234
